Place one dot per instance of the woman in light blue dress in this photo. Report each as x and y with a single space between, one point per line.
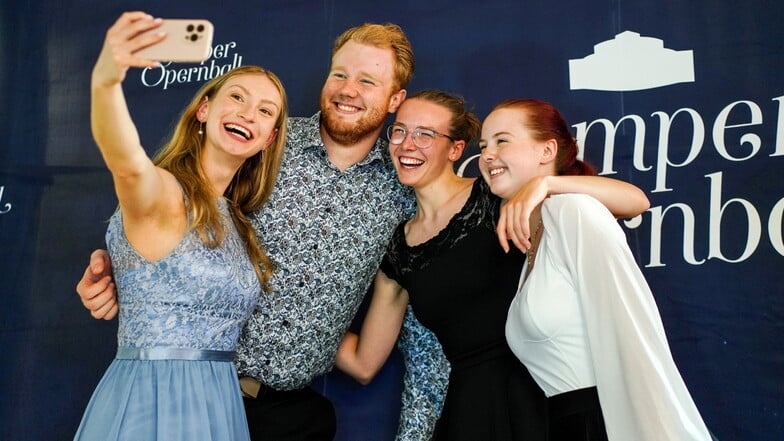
186 262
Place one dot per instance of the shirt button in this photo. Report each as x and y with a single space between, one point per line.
301 284
285 322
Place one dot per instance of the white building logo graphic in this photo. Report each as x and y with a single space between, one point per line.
631 62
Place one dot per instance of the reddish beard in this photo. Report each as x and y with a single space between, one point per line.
347 132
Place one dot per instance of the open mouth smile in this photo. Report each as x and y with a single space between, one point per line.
407 162
238 130
347 108
495 171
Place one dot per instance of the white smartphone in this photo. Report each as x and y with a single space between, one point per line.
187 40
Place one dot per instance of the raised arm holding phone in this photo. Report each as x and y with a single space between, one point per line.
186 264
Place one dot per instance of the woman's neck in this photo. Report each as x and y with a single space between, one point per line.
219 172
439 195
437 204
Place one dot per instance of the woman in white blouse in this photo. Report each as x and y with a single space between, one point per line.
584 321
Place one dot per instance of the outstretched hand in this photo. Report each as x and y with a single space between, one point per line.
96 289
513 222
122 41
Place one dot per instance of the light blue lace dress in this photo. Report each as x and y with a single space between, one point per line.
180 318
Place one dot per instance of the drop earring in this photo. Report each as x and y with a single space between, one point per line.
201 129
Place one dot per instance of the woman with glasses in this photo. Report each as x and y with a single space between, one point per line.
446 260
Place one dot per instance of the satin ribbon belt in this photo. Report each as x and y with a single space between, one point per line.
164 353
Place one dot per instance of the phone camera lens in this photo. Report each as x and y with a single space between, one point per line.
194 37
200 28
190 28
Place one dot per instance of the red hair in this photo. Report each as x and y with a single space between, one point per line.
545 122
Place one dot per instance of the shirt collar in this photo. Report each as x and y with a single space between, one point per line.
310 134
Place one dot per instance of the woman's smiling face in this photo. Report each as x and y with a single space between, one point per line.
510 157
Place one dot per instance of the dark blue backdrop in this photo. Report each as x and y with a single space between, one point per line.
710 246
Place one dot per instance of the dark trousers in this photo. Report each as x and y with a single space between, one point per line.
298 415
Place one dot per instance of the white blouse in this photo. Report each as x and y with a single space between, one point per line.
586 317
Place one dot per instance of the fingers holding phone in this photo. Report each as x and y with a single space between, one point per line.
131 32
137 39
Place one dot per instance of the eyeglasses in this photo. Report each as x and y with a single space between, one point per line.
422 137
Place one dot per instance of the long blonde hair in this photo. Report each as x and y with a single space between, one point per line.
251 186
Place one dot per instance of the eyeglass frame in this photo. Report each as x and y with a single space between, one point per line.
415 135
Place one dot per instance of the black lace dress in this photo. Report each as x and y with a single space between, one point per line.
460 284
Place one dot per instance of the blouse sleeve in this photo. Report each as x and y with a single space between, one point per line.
641 392
424 382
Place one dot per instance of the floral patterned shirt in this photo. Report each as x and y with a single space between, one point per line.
326 231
